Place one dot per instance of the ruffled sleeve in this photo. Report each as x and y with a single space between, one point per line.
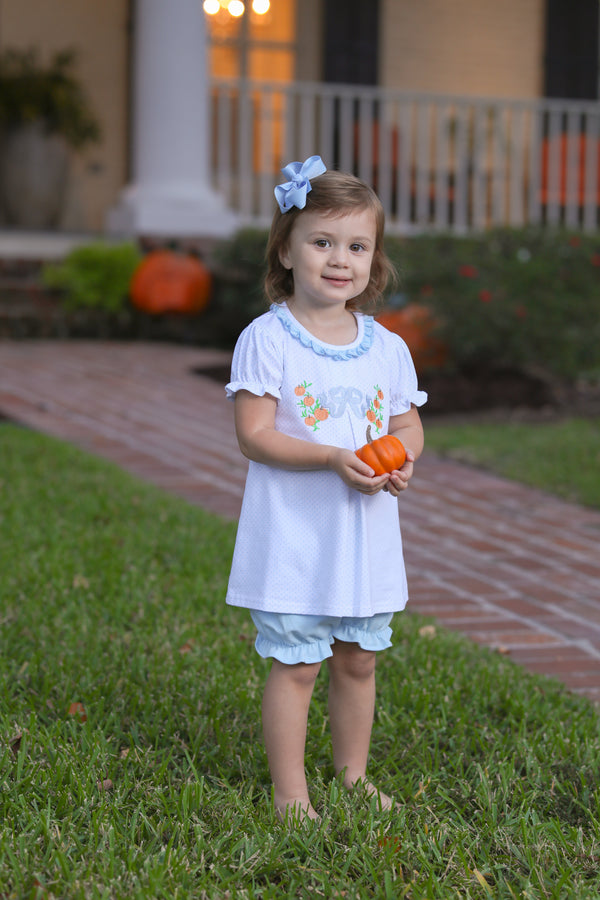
257 364
405 388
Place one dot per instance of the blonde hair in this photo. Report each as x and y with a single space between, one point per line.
332 193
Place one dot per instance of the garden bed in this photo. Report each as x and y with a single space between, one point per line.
521 392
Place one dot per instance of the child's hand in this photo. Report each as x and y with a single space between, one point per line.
399 478
355 473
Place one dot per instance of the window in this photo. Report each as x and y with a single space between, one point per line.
253 40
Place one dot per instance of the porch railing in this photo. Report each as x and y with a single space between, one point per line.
437 162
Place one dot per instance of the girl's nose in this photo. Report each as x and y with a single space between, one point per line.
339 256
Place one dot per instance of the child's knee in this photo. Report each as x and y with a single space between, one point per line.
352 661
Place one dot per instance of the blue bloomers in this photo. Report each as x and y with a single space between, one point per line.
295 639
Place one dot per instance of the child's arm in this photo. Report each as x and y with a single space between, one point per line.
259 441
408 429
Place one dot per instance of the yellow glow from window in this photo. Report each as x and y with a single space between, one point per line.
211 7
235 8
224 62
270 65
253 45
260 7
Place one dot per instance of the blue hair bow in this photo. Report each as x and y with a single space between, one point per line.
294 191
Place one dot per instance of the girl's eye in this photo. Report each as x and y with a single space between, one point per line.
322 242
356 247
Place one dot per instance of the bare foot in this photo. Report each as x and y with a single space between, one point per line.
296 812
384 803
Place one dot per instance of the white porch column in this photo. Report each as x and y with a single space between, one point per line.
170 193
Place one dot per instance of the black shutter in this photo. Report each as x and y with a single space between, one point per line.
571 63
351 38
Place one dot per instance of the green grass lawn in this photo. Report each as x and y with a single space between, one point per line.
112 597
561 456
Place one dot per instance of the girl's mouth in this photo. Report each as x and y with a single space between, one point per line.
332 279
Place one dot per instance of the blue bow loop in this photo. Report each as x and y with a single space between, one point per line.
294 191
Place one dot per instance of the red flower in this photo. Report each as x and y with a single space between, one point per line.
485 296
468 271
521 312
426 290
574 241
595 259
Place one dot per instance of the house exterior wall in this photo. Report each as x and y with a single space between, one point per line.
474 47
97 29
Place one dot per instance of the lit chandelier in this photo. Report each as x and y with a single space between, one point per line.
235 8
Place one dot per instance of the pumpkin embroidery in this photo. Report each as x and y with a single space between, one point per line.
311 409
374 412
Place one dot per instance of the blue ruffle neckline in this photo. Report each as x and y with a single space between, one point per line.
307 340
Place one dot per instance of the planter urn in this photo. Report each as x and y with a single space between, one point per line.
34 170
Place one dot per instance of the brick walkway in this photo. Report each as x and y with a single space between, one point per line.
511 567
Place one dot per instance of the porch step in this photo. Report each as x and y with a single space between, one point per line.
37 247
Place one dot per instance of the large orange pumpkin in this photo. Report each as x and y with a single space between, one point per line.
383 454
166 281
416 324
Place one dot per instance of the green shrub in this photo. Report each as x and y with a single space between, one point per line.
94 276
239 265
520 299
510 298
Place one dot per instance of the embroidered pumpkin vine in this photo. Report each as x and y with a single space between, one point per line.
312 411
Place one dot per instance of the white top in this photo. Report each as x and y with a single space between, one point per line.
306 542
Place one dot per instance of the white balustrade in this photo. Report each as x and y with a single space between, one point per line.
437 162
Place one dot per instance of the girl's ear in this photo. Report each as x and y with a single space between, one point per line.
284 258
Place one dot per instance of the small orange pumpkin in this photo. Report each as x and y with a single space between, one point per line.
416 324
166 282
383 454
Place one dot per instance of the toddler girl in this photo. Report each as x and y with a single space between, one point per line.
318 557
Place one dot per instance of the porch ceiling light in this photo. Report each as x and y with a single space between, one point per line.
235 8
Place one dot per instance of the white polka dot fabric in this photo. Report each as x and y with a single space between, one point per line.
306 542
